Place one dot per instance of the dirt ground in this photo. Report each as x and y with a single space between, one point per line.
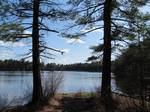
81 103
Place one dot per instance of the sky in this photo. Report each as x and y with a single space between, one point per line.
76 51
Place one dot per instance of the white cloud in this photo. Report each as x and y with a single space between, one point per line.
62 50
99 30
12 44
66 50
64 59
59 58
27 32
7 54
79 41
89 29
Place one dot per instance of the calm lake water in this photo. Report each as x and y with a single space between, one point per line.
17 84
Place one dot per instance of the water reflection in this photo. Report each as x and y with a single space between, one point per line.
16 84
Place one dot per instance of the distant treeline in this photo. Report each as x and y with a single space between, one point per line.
92 67
15 65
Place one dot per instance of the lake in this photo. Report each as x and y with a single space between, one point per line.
17 84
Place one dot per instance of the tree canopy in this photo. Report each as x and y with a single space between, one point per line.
128 66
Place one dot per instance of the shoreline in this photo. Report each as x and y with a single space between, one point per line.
77 102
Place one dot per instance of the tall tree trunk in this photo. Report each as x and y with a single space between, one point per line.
141 74
37 86
106 71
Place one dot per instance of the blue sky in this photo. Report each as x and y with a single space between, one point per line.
75 50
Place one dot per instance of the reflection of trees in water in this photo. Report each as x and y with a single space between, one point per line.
8 79
14 79
15 76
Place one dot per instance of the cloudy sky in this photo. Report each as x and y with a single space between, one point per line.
76 50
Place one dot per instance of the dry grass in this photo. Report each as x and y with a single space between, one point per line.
83 102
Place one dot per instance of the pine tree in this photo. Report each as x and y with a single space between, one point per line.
114 17
32 15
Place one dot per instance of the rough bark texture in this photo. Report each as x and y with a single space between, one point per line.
106 71
37 86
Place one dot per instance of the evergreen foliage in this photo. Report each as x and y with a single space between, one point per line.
128 66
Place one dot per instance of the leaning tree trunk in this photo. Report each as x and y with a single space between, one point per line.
106 71
37 86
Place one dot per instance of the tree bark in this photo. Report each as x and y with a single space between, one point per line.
106 71
37 86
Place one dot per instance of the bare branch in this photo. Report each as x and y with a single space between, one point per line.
50 30
27 57
62 52
23 35
46 57
46 28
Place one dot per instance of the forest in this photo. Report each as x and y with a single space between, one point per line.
113 36
20 65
